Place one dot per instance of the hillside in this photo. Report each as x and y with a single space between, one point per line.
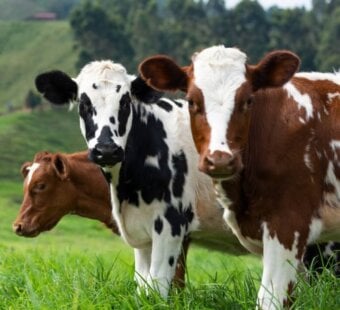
28 48
23 134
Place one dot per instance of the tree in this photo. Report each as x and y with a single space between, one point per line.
99 36
293 29
328 54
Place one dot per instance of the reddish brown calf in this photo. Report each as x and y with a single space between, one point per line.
272 144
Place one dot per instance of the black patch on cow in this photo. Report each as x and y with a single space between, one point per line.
178 218
107 176
179 163
118 87
179 104
317 260
57 87
171 261
158 225
164 105
123 113
86 112
112 120
105 136
146 138
144 92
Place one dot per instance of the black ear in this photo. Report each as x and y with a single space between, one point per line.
144 92
57 87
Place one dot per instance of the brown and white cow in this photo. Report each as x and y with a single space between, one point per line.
57 184
271 139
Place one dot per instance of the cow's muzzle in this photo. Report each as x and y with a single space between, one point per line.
106 154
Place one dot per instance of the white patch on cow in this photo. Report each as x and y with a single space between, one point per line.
332 180
279 270
332 96
315 229
219 72
307 159
328 249
303 100
31 169
302 120
152 161
325 110
317 76
335 146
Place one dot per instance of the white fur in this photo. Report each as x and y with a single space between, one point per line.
303 100
31 169
219 72
279 269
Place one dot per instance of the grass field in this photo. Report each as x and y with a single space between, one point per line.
81 265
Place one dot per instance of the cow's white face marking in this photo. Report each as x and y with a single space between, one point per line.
303 100
104 92
218 73
31 169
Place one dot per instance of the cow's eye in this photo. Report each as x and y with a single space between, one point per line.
39 187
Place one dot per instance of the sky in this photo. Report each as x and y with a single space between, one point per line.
280 3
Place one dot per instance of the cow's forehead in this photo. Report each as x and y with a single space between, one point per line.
219 71
104 71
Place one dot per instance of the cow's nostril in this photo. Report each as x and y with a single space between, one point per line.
209 161
17 228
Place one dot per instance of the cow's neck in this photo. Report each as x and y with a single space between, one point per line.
92 197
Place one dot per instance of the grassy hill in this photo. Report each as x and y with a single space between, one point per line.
28 48
23 134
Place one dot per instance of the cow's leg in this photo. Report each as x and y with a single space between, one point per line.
280 266
179 279
166 249
142 266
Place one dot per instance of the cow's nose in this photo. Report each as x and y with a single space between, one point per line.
106 154
219 165
17 228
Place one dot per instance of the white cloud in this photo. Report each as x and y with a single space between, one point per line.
280 3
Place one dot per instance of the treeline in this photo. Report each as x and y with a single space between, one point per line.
127 31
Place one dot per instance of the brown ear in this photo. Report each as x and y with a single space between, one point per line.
274 70
25 168
162 73
60 166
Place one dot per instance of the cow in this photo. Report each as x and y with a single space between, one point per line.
150 164
62 176
79 187
270 137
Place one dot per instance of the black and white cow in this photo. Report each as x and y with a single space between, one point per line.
151 164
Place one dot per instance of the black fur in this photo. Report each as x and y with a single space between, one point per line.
86 112
57 87
180 166
123 113
164 105
143 92
158 225
178 218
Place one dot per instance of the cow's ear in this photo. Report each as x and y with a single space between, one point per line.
57 87
143 92
162 73
25 168
274 70
60 166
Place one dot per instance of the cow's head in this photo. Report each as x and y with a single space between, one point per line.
48 194
220 88
104 91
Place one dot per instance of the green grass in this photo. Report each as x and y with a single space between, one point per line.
28 48
81 265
